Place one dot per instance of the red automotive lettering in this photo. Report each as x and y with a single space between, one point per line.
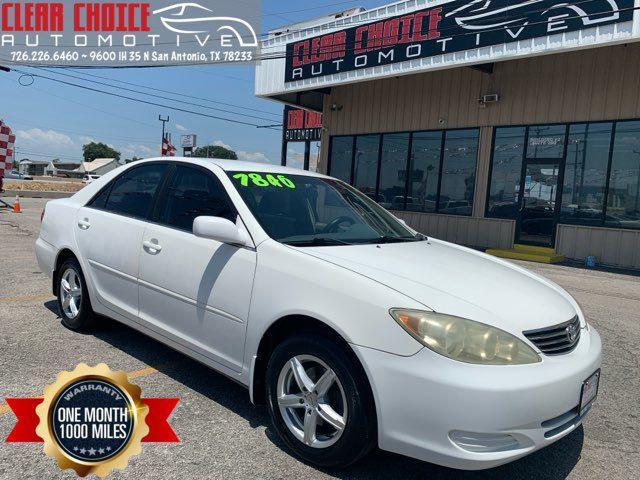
316 55
374 36
122 17
144 17
434 23
405 28
391 28
77 26
300 50
5 17
107 23
358 47
418 26
28 16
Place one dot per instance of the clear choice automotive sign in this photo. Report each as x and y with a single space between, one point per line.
446 28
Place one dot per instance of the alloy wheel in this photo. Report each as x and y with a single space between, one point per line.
312 401
71 293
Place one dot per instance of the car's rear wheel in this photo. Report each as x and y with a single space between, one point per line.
320 402
73 297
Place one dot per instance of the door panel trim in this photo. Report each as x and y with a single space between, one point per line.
117 273
189 301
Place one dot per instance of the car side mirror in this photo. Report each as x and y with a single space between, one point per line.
220 229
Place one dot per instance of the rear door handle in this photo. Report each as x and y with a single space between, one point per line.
152 246
84 224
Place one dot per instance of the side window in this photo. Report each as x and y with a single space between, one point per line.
100 200
133 192
193 193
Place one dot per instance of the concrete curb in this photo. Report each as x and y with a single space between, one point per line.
11 194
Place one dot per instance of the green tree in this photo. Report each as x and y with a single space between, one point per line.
215 151
94 150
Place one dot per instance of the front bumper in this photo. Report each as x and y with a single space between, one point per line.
474 417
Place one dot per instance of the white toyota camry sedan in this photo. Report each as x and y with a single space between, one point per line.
354 330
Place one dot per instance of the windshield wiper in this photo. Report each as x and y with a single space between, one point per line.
389 239
317 242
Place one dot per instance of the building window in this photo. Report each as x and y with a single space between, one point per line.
458 172
393 170
546 141
341 158
504 187
623 200
585 172
381 162
365 171
426 153
599 171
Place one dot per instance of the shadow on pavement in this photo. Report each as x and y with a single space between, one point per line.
552 463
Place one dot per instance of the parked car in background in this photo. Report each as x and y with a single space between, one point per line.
355 330
16 175
90 178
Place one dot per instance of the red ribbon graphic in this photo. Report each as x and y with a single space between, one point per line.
157 419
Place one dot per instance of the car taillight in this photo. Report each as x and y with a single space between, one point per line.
42 214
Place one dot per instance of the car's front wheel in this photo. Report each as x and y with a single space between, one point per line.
320 402
73 297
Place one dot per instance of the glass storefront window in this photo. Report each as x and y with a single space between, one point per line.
585 173
314 156
506 170
393 170
458 172
623 201
390 155
365 170
546 141
341 157
295 155
426 148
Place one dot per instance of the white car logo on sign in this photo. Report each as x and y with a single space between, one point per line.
179 22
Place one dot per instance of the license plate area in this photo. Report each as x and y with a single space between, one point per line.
589 391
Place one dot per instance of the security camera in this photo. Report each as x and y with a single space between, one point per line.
441 121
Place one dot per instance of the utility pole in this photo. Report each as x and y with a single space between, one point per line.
164 121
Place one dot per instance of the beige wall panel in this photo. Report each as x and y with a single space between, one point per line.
611 246
533 90
475 232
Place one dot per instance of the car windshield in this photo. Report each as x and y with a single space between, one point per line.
302 210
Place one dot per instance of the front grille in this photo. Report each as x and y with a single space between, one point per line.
558 339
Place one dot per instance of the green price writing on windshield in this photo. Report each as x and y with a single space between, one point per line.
268 180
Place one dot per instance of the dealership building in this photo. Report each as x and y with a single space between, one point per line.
507 125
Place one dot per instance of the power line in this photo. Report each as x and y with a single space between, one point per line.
152 95
139 100
177 93
90 107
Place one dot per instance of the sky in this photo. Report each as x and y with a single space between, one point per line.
52 120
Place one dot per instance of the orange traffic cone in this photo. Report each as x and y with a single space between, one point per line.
16 205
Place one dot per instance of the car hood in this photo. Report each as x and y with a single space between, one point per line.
458 281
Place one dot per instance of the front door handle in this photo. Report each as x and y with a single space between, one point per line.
152 246
84 224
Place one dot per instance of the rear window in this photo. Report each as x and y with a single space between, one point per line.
132 193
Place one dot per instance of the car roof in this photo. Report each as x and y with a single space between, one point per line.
239 165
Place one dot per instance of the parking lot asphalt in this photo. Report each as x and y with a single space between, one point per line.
223 436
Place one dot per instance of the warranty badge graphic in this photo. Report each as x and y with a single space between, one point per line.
92 420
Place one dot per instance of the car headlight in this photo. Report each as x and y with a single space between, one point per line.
464 340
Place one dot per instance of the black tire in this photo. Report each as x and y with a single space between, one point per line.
83 319
359 436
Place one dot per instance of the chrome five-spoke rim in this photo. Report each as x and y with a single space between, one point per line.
312 401
71 291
